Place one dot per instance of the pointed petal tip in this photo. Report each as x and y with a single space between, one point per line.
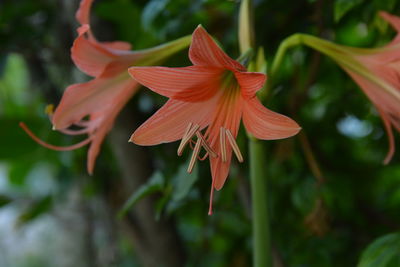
294 131
134 71
135 140
131 139
389 156
391 19
218 186
199 30
385 15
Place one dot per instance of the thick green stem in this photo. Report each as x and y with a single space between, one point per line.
259 195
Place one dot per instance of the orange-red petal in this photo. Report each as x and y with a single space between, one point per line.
191 84
88 55
168 124
266 124
83 13
250 82
393 20
205 52
220 169
92 57
80 100
117 45
389 131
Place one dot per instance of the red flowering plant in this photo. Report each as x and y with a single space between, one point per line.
93 106
207 101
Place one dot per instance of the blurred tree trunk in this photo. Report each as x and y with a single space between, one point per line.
157 242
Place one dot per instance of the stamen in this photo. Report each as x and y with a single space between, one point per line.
183 140
222 144
53 147
195 153
234 145
190 131
206 146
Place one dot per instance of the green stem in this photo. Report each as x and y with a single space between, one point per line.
291 41
261 232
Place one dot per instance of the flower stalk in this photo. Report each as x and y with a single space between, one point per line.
259 199
259 193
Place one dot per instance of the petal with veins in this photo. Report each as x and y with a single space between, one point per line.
205 52
250 82
80 100
266 124
88 55
168 124
191 84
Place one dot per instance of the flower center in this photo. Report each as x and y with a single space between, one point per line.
229 83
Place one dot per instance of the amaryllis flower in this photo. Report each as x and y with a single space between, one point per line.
377 72
384 89
207 102
92 107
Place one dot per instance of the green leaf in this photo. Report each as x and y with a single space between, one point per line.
14 142
151 11
184 182
383 252
342 7
35 210
19 170
155 184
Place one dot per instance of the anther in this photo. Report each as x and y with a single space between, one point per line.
187 136
195 154
49 110
234 145
222 143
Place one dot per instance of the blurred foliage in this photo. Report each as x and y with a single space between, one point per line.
344 219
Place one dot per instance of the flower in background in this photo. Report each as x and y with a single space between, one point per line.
381 80
208 101
376 71
91 107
